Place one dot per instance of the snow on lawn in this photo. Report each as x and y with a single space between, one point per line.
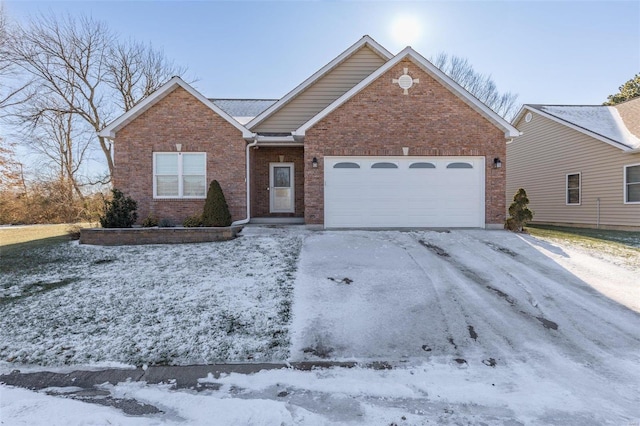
174 304
480 328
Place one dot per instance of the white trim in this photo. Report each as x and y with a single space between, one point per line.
587 132
364 41
433 71
292 185
624 187
180 177
566 189
113 127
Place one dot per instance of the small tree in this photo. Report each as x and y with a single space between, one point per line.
216 210
120 212
519 212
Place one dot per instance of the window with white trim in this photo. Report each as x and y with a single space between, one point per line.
632 183
573 188
179 175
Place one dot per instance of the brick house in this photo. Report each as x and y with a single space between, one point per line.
370 140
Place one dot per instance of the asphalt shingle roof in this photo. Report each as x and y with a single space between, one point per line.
243 107
605 121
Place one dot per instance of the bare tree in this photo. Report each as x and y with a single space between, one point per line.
479 85
60 139
81 69
8 92
136 70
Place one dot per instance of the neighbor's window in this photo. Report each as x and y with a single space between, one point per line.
573 188
632 184
179 175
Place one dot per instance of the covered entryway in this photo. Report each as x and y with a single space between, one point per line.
379 192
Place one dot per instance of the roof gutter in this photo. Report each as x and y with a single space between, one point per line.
248 182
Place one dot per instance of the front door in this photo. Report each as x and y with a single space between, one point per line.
281 193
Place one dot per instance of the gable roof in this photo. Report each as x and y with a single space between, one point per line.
433 71
175 82
601 122
243 110
364 41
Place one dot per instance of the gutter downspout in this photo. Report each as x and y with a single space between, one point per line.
248 173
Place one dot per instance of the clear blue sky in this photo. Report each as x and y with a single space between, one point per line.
556 52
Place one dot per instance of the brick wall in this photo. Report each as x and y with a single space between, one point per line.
179 118
380 120
260 159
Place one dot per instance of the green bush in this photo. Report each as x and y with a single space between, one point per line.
119 212
192 221
216 210
165 223
519 212
150 221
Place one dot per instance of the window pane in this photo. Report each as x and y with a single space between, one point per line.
573 196
573 181
193 164
346 166
422 166
633 174
633 193
281 177
459 166
166 164
194 186
167 186
384 166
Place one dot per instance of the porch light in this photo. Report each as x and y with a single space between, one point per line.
497 163
314 163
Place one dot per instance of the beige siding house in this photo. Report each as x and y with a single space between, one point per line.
580 165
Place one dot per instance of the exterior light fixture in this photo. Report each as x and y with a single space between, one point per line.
314 163
497 163
178 147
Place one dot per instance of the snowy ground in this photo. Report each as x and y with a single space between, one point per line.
167 304
480 327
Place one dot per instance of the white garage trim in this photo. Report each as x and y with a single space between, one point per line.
404 192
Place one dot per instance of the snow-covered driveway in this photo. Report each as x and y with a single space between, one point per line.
463 294
473 299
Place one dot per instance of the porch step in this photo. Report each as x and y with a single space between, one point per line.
277 220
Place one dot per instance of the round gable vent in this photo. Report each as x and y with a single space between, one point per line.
528 117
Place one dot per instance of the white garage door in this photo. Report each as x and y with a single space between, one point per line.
376 192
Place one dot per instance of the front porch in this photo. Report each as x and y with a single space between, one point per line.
277 184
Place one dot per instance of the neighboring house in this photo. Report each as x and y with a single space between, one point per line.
370 140
580 165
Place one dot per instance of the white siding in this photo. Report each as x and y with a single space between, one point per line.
324 91
539 161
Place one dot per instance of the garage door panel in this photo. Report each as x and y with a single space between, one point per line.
436 196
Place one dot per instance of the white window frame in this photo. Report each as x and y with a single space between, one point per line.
566 189
180 178
624 187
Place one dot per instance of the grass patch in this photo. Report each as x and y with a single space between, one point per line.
628 238
18 239
622 246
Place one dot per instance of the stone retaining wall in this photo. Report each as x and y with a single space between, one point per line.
134 236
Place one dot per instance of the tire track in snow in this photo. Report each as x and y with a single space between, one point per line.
577 333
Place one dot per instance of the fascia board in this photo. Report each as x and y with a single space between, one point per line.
587 132
366 40
111 130
432 70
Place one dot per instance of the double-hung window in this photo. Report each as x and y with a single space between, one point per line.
632 183
573 188
179 175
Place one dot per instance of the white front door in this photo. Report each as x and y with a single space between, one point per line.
281 192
